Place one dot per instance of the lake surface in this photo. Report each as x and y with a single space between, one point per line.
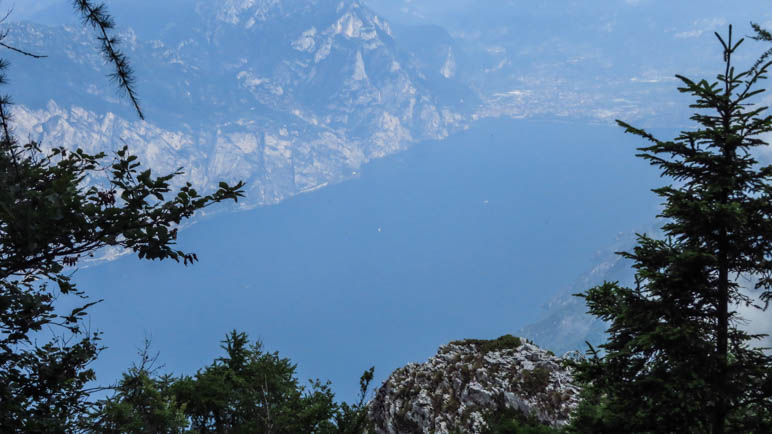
465 237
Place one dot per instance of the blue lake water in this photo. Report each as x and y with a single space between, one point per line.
465 237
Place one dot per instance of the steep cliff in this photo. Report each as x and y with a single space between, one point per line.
287 95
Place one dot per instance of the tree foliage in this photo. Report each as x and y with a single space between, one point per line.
676 359
143 401
58 207
510 421
246 391
762 34
249 391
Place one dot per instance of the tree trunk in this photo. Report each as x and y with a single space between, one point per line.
722 345
722 332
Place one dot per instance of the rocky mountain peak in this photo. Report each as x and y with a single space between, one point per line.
288 95
248 13
468 382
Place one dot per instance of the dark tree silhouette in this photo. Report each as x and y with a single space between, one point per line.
49 220
676 359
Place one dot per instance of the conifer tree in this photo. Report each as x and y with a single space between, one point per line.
676 358
251 391
246 391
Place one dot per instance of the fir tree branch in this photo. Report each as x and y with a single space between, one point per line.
97 17
761 35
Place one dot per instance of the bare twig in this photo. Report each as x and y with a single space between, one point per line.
26 53
5 33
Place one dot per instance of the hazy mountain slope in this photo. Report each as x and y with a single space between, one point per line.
288 95
584 60
565 325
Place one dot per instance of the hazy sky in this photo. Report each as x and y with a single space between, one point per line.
24 8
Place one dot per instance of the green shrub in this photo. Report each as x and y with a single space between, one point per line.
509 421
535 381
505 342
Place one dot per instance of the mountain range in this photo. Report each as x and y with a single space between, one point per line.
291 95
288 96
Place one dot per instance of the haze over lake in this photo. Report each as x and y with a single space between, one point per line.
464 237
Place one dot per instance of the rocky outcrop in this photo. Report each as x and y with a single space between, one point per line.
470 381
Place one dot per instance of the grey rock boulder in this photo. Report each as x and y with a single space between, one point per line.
468 381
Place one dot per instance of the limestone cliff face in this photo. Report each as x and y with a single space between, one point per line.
287 95
468 381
